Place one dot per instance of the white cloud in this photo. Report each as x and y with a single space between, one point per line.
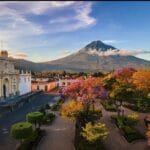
79 19
113 41
14 25
19 55
14 20
83 12
66 52
36 8
116 52
23 24
59 20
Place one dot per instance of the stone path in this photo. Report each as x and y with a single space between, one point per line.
59 135
115 140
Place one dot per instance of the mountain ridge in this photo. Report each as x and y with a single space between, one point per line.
88 58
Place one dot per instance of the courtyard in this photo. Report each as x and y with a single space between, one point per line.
6 142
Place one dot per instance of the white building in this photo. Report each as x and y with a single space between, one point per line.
24 82
65 82
12 82
9 77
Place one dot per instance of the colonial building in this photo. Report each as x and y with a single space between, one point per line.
43 85
65 82
47 85
11 81
24 82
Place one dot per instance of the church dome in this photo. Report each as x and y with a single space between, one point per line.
4 54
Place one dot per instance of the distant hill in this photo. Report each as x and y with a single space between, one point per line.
90 58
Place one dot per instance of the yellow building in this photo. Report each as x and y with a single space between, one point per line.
9 77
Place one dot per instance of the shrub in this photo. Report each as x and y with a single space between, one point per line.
50 116
129 132
35 117
97 110
32 141
85 145
42 110
120 121
132 134
21 130
93 116
133 119
36 136
44 120
108 105
94 132
71 109
47 106
55 107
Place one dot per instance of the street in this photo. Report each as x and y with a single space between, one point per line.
6 142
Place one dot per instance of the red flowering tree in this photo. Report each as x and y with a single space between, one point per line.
124 74
86 91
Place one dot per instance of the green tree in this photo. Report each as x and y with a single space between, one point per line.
35 118
121 92
97 74
108 82
21 130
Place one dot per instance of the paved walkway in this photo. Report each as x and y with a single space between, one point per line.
59 135
115 140
8 143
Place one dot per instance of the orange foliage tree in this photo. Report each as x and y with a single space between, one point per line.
124 74
71 109
141 79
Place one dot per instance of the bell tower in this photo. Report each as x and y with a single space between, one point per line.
3 53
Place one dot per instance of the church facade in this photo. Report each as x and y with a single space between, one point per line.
10 78
24 82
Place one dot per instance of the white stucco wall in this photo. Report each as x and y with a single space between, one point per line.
25 83
65 82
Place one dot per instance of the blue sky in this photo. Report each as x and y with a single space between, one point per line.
43 31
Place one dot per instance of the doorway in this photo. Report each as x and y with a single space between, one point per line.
46 88
6 88
4 91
